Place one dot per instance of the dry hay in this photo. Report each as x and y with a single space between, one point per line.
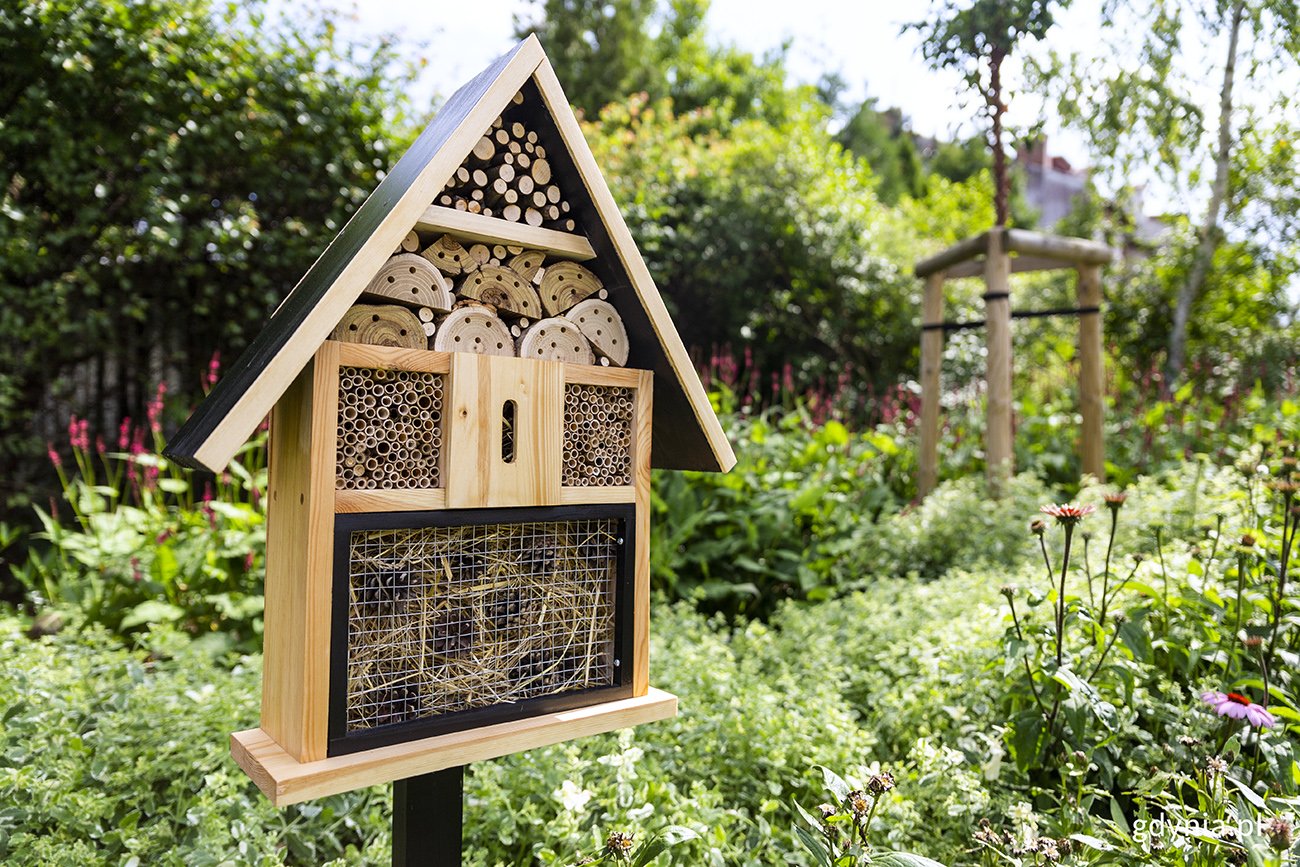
447 619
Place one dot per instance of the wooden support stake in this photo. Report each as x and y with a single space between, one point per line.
931 363
997 312
1092 450
428 812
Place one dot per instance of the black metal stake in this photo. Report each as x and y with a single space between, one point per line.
427 814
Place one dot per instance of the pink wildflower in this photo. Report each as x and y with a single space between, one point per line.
1234 705
136 572
99 445
248 562
124 434
214 368
54 456
155 408
1068 514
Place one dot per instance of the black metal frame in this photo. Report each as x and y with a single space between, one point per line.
1015 314
342 742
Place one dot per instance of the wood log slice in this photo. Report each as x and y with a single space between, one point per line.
412 281
410 243
556 339
565 284
447 255
526 264
381 325
503 289
600 323
473 329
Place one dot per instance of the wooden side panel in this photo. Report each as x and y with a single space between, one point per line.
643 421
300 526
477 473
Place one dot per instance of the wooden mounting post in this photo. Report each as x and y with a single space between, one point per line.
931 363
997 307
1091 437
427 815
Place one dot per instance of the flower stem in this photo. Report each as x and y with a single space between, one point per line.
1105 575
1060 599
1033 687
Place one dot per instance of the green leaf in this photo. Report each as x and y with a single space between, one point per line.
813 845
835 783
1092 842
903 859
152 611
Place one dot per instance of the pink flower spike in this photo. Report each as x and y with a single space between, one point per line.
124 434
54 456
1234 705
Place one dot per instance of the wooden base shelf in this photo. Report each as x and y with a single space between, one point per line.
286 781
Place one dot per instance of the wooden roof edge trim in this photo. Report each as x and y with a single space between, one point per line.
642 283
968 248
225 420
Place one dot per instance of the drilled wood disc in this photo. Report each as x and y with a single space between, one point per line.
555 339
411 280
527 264
600 323
382 325
474 329
503 289
565 284
448 256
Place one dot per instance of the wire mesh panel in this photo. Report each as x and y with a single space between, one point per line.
389 429
597 435
446 619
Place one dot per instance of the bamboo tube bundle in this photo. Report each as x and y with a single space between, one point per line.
389 429
555 339
600 323
380 325
597 436
447 619
410 280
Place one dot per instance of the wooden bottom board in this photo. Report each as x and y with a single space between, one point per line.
286 781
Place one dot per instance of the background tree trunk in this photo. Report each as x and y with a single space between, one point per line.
1209 232
997 108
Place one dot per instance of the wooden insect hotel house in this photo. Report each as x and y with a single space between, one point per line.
460 394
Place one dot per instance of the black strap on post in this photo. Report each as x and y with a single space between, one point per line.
427 815
1015 314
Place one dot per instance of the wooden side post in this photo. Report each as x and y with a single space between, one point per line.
997 307
931 363
1092 450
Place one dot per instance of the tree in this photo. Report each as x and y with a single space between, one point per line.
883 139
168 170
975 37
607 51
1144 121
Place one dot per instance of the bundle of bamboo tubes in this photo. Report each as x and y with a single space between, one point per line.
597 436
507 175
389 429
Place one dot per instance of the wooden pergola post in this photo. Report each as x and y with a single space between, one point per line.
931 365
1092 450
997 314
989 255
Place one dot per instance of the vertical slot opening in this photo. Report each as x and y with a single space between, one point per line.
508 432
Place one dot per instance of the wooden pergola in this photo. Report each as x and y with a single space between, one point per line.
997 254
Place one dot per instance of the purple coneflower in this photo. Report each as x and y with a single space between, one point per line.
1237 706
1068 514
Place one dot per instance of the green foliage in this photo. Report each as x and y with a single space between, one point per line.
143 547
168 170
605 53
756 239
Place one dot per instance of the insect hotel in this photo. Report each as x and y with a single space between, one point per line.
460 393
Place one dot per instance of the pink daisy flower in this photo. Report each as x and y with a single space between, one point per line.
1236 706
1068 514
